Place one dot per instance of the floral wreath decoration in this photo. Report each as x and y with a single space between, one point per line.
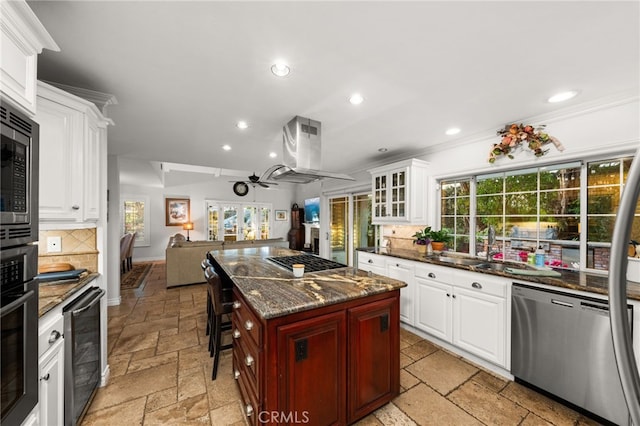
514 136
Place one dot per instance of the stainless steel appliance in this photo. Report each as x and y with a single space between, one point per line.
622 343
562 344
82 347
311 263
19 333
19 178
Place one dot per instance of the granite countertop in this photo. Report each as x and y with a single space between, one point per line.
583 281
51 294
273 291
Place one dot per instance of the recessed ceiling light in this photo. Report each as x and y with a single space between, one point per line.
563 96
242 125
280 69
273 155
226 147
356 99
452 131
382 150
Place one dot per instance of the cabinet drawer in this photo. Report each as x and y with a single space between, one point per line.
250 405
484 283
49 332
249 362
370 260
442 274
245 321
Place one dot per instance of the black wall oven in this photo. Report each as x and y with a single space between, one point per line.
19 178
19 333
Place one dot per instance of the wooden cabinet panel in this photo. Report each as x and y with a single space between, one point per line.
404 271
434 312
312 368
374 367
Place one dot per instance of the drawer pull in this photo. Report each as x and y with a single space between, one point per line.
248 410
432 275
236 304
249 360
236 333
370 261
476 285
55 335
248 324
236 374
45 377
75 207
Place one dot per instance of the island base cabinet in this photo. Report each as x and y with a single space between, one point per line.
374 367
312 370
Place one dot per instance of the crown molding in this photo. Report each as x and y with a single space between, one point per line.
99 99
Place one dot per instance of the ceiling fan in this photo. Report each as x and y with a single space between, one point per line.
241 188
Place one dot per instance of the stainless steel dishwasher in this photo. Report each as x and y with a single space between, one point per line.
562 344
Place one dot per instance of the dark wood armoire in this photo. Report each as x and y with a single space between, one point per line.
296 233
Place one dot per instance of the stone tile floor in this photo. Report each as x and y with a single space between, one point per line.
160 374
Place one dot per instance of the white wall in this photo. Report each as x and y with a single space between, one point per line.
206 187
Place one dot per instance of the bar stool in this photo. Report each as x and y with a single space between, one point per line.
204 265
221 304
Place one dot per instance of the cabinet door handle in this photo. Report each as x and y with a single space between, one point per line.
453 295
248 410
248 324
432 275
55 335
45 377
370 260
448 295
236 304
248 360
476 285
236 374
236 333
75 207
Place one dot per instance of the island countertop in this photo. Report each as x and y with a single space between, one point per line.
273 291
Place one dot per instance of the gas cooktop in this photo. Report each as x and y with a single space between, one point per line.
311 263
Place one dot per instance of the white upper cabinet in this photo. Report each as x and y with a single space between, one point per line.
72 143
22 38
400 193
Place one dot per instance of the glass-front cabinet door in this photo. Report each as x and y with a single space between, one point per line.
399 193
237 222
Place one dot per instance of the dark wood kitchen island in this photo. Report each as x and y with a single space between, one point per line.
321 350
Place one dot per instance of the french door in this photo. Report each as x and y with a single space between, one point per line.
350 226
238 221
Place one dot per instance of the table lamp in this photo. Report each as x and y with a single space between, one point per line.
187 226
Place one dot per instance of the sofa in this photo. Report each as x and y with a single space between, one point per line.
183 258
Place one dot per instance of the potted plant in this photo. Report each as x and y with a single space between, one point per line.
439 239
422 239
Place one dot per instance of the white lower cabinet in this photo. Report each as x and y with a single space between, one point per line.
466 309
404 271
51 368
372 263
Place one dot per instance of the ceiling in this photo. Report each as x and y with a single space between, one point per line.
185 72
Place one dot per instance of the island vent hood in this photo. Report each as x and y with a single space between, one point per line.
302 158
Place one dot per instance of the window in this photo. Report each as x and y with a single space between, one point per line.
456 213
136 218
223 224
539 207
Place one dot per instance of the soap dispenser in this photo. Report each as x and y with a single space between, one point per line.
540 256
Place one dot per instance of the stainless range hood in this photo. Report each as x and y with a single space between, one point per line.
302 158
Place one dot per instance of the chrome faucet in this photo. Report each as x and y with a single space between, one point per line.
491 240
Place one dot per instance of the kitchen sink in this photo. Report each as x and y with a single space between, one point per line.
466 261
499 266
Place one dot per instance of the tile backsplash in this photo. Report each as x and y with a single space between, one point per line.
78 247
401 236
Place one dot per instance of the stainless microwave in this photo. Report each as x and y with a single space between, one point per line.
19 178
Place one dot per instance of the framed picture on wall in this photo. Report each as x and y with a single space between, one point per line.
177 211
281 215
